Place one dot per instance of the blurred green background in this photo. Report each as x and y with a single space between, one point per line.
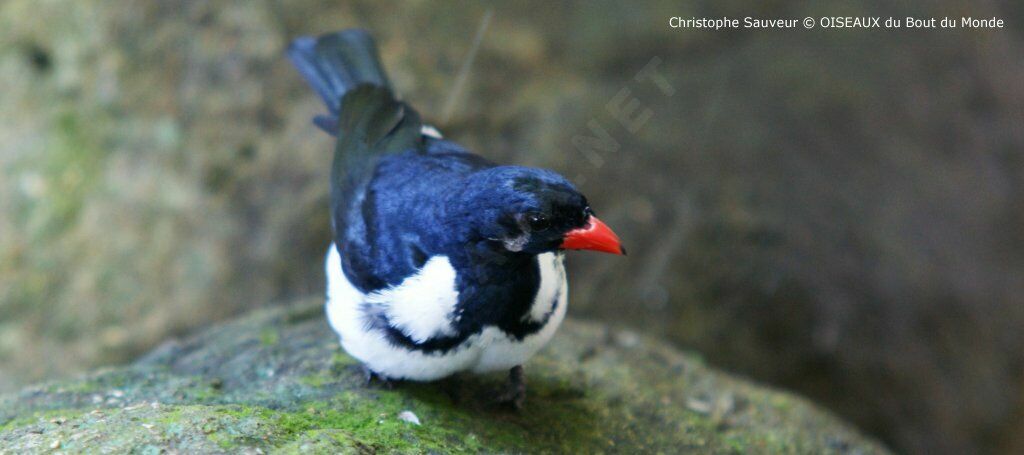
838 212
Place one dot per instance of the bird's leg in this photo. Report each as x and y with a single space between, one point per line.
453 387
515 393
372 376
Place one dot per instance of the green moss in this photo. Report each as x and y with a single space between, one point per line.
82 386
69 166
318 380
340 359
268 336
51 416
586 395
367 423
202 394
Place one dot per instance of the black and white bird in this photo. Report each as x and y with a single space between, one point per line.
442 261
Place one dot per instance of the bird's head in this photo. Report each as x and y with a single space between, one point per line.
533 211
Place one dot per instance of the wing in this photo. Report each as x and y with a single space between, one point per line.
371 126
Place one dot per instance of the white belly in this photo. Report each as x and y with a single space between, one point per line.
421 306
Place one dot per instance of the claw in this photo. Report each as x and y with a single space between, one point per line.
374 377
515 392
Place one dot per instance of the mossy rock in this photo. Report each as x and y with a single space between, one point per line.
278 381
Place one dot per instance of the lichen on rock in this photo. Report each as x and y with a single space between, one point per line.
228 389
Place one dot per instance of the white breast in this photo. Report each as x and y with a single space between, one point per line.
422 306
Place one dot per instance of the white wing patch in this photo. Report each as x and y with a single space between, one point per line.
346 316
422 305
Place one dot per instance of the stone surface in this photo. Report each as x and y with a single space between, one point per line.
277 380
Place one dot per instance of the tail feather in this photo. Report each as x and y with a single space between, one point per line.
369 121
334 64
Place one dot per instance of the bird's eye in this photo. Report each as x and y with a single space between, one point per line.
537 221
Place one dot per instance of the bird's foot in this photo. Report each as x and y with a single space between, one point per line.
515 392
454 388
373 377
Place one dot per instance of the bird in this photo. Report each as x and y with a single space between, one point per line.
441 261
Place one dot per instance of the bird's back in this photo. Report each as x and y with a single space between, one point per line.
397 223
374 131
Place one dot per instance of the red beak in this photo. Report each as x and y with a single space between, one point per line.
595 236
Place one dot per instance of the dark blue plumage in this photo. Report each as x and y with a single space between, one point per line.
401 197
442 200
334 64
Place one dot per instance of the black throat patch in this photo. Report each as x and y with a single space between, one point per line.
497 294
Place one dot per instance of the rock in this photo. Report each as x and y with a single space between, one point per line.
228 389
